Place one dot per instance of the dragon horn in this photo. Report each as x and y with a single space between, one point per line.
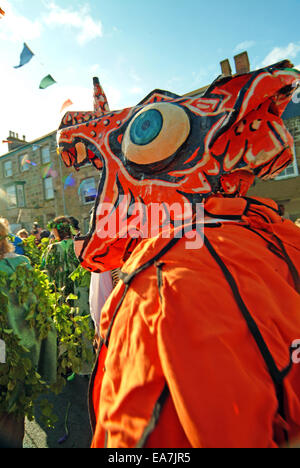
100 100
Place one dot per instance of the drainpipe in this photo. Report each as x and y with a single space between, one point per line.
62 185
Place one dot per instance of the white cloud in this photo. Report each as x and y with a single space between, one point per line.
134 76
79 19
136 90
280 53
30 111
34 112
244 46
95 68
16 28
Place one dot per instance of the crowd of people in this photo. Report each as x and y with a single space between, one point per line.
57 259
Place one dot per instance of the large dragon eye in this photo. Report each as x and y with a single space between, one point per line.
155 133
146 127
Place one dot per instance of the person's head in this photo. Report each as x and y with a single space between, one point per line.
5 245
5 222
75 224
23 234
60 227
44 234
281 209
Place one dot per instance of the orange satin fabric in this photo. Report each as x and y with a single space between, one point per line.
190 334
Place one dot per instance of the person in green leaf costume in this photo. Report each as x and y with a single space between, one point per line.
59 260
62 265
28 358
64 270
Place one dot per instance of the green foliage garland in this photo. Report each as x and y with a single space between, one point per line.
34 252
20 384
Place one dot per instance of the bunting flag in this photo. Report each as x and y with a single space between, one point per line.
67 103
2 12
47 81
25 57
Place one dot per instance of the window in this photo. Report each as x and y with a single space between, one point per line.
15 195
45 152
11 195
88 190
8 169
290 171
23 164
48 188
20 196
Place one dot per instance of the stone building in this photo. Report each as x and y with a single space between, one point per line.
36 186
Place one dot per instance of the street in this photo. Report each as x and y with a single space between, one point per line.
72 411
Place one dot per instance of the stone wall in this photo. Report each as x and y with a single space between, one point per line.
284 191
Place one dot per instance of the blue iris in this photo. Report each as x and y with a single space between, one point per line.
146 127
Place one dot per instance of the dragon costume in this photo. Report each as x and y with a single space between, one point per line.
198 338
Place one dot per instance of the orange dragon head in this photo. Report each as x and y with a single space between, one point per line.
176 149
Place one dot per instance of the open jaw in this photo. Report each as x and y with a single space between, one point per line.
79 152
91 247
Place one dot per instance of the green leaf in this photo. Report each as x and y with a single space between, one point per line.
71 297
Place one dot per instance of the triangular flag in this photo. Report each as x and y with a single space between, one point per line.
25 56
2 12
67 103
47 81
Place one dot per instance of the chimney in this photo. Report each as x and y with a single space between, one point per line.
226 68
242 64
14 141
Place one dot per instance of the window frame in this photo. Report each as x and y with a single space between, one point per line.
25 167
9 205
20 201
9 161
81 195
18 188
47 188
42 157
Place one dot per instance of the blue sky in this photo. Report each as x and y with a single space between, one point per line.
133 46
